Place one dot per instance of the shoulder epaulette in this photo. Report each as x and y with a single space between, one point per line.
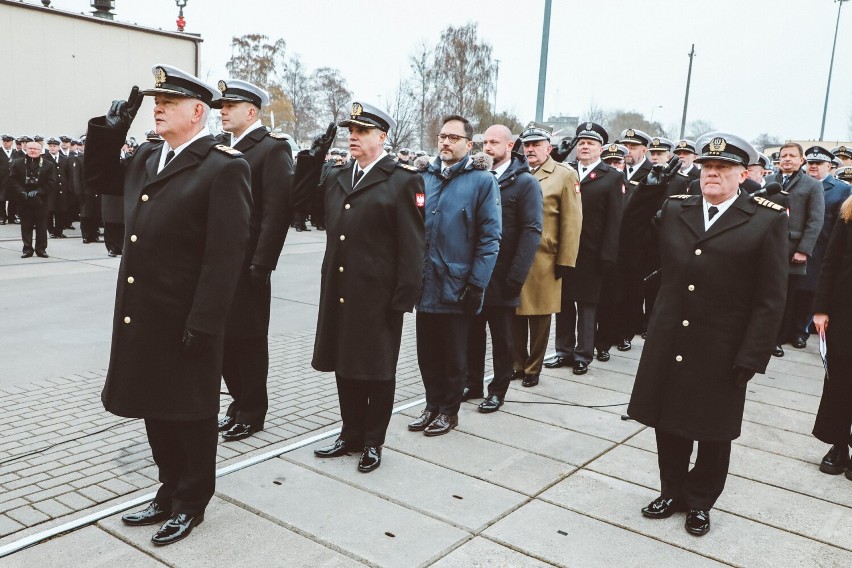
566 166
766 203
682 174
228 150
634 182
408 167
679 196
278 135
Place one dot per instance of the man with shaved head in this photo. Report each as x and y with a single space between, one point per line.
520 197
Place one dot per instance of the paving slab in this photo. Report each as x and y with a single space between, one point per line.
355 522
455 498
776 417
732 539
501 465
483 553
567 538
788 382
233 537
89 547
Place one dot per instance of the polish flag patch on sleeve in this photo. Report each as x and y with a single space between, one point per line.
420 199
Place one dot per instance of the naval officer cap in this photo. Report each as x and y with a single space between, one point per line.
8 138
684 146
24 139
53 141
725 147
660 144
836 163
763 161
535 131
842 152
634 136
152 136
65 138
592 131
38 138
368 116
818 154
236 91
617 151
844 174
334 152
169 80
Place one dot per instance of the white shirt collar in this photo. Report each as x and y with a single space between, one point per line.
632 169
366 169
257 124
501 169
165 149
722 207
584 170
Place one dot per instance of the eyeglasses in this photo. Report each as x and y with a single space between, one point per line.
453 138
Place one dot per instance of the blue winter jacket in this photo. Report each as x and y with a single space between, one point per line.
463 225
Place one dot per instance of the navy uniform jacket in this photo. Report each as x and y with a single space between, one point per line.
60 198
16 188
186 230
836 192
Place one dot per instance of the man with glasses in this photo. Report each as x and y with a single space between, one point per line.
462 239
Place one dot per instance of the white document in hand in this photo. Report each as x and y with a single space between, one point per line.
823 350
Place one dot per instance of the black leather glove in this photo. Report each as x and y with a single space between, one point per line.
471 299
561 271
742 376
32 194
566 146
660 174
121 113
195 343
321 144
259 276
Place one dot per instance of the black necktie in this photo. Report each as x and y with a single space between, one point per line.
785 180
494 173
359 173
169 157
711 212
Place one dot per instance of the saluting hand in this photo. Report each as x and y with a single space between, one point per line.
662 175
322 143
121 113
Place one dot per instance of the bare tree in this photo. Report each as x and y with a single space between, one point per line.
422 89
297 85
332 93
255 60
765 140
403 109
596 113
695 128
463 69
621 120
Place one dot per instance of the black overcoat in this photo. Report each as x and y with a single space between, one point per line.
271 162
833 298
4 172
185 237
721 298
60 198
836 192
17 188
372 269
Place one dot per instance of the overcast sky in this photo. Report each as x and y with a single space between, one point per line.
761 65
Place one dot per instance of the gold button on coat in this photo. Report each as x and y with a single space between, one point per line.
691 288
130 280
342 237
685 323
341 300
697 252
127 319
144 198
132 238
678 358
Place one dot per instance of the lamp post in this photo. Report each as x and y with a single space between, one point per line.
830 68
181 23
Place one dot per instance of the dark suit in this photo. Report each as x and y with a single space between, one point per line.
634 267
5 159
58 202
602 193
721 287
32 210
187 227
246 358
371 274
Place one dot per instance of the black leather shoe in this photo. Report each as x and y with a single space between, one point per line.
176 528
26 255
661 508
239 432
517 375
530 381
441 425
778 351
371 458
150 515
697 522
61 236
421 423
42 254
557 361
848 473
800 343
111 253
491 404
836 460
337 449
580 368
603 355
468 394
225 423
625 345
644 335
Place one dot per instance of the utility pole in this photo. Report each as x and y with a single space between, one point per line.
830 68
542 65
686 96
496 78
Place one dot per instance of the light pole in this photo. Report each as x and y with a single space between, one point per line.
181 23
496 78
542 64
686 95
830 68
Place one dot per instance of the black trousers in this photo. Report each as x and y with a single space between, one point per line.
499 320
89 228
34 223
185 453
245 366
802 312
580 344
114 237
57 221
365 408
788 331
699 487
442 356
11 209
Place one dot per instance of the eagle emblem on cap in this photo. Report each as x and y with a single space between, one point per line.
222 87
842 149
357 109
159 76
655 141
681 144
630 133
613 148
588 126
718 144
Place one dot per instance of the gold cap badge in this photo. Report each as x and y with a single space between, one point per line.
222 87
630 133
718 144
357 109
159 76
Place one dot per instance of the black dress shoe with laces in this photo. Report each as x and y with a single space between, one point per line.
240 432
517 375
491 404
580 368
778 351
176 528
226 423
26 255
661 508
150 515
697 522
42 254
836 460
625 345
371 458
557 361
530 381
602 355
421 423
469 393
337 449
441 425
800 343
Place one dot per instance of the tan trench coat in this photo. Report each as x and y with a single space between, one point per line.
562 219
